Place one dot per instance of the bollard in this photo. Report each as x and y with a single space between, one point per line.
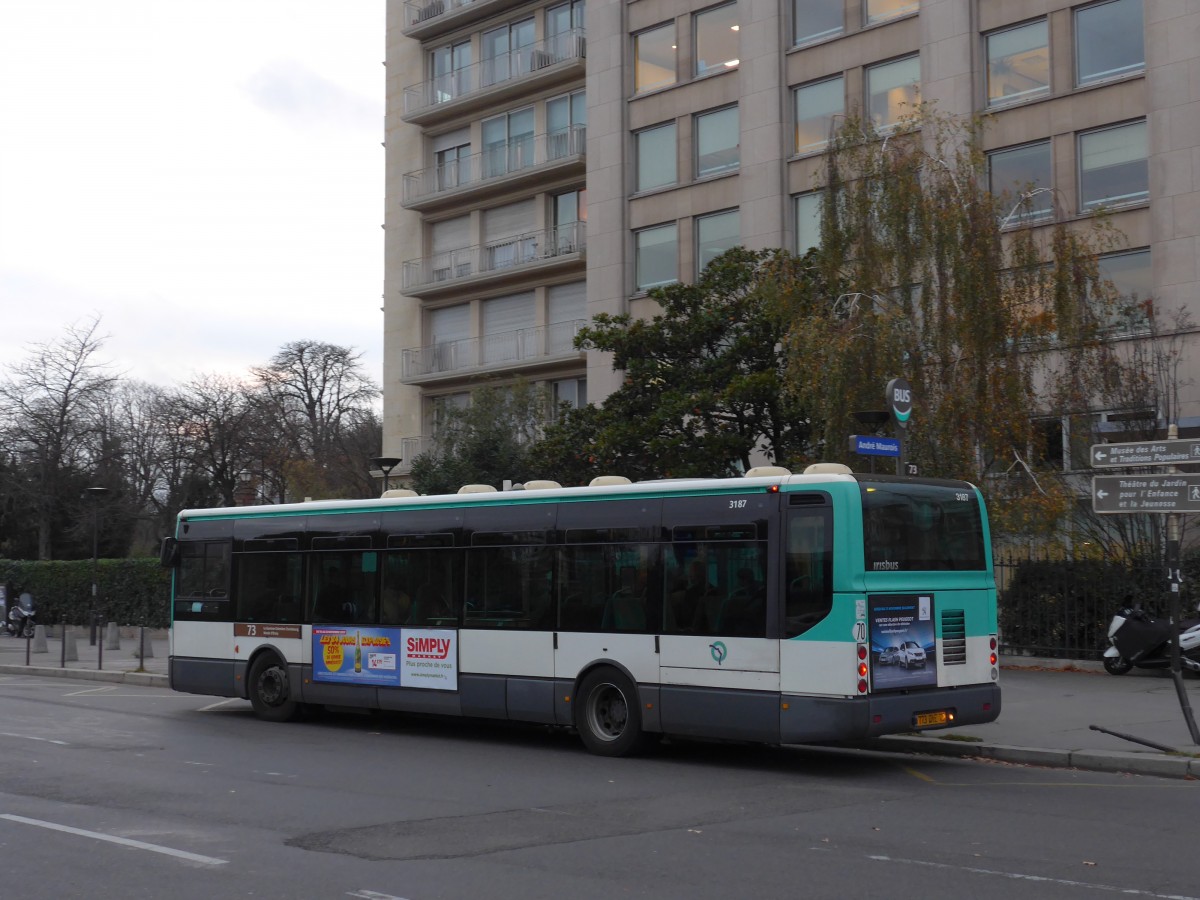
112 636
145 646
70 650
39 639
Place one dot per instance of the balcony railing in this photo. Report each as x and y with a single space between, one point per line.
422 11
495 164
560 48
516 252
501 349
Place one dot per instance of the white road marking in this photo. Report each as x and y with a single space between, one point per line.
124 842
99 690
218 704
32 737
372 895
1018 876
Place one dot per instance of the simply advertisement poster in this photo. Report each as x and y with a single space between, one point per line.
903 645
385 657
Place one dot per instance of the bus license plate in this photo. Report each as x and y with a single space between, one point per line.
931 718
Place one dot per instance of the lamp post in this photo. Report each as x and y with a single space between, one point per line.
96 494
385 464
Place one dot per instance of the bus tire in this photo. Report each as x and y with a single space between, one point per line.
270 690
608 714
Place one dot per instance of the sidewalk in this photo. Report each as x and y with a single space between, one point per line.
1048 708
120 664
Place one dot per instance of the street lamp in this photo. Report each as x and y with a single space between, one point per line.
96 494
385 464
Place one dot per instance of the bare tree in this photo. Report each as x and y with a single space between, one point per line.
50 402
316 398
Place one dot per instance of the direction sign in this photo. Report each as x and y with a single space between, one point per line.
1146 493
1145 453
868 445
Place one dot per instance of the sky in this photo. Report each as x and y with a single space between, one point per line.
205 177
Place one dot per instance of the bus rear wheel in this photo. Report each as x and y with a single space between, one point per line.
270 690
607 714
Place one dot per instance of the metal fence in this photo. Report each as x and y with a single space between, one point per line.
1061 608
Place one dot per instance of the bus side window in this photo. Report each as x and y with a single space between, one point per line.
809 574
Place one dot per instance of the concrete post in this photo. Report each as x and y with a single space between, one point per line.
112 636
70 651
39 639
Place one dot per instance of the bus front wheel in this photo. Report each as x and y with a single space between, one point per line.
270 690
607 714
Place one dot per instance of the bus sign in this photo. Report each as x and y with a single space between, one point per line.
1146 493
1145 453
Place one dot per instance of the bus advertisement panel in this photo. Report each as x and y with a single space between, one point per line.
385 657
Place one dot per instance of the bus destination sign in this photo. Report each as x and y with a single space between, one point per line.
1146 493
1145 453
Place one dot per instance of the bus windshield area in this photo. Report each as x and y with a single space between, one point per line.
921 527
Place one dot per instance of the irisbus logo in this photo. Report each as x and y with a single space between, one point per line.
718 652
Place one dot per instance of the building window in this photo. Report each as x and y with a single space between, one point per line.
808 221
1108 40
450 70
715 234
817 106
570 218
502 51
1013 176
449 330
656 163
1112 166
507 328
507 142
566 307
882 10
717 142
814 20
571 391
716 33
893 91
453 166
657 251
1133 281
566 125
1018 63
654 58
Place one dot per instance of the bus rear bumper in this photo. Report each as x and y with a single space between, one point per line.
808 720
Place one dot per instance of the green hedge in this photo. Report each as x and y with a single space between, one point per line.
129 591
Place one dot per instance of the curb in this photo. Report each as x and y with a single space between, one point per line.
146 679
1160 765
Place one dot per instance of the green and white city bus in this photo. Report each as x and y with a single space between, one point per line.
776 607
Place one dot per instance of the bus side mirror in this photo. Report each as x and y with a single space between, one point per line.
168 553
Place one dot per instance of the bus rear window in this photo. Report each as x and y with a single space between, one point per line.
921 527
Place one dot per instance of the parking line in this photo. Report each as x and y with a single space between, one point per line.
113 839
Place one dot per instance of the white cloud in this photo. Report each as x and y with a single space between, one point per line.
208 178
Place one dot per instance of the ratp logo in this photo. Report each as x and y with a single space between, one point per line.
718 652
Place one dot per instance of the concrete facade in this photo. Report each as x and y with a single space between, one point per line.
1061 99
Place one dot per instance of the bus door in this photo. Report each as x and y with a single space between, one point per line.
609 605
719 669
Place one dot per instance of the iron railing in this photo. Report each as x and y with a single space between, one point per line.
502 348
511 253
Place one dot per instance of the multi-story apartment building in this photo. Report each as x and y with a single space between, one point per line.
548 161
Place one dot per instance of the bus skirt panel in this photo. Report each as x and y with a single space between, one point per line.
821 719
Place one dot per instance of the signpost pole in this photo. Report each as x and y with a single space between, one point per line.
1174 527
899 396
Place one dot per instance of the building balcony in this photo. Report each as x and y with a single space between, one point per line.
519 255
491 81
505 166
424 19
507 350
410 449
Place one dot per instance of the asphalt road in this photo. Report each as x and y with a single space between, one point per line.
111 791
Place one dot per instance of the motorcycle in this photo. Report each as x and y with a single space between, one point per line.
1136 638
22 618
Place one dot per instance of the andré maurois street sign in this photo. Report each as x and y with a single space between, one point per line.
1145 453
869 445
1168 493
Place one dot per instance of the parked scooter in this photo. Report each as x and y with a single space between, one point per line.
22 618
1139 639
